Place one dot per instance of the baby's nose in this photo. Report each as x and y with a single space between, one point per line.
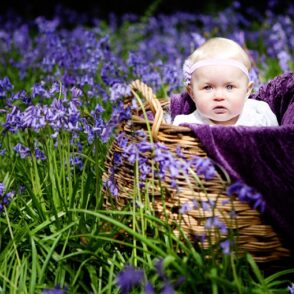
218 98
218 95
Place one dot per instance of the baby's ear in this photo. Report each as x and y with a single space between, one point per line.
249 88
189 90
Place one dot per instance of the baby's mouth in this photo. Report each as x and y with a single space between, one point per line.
220 109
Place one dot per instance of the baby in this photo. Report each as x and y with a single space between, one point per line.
217 79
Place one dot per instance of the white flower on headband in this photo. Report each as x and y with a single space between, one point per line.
187 71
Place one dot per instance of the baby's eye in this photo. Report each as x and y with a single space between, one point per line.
229 87
207 88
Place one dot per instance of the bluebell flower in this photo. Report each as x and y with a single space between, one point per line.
185 208
284 60
33 117
22 150
247 194
225 246
141 133
122 140
76 161
179 152
132 153
206 205
128 278
76 92
117 159
199 238
5 197
195 204
40 90
47 26
134 104
22 39
56 290
111 186
291 288
204 167
148 289
3 152
167 289
198 39
144 168
39 154
145 146
159 269
5 86
2 187
22 96
215 223
119 90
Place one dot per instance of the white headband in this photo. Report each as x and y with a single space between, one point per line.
189 67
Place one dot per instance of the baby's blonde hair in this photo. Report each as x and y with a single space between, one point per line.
220 48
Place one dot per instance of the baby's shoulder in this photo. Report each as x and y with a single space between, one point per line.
256 104
187 118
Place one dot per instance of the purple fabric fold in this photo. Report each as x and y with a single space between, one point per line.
261 157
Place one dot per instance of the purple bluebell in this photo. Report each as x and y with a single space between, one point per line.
5 86
33 117
148 289
179 152
122 140
118 91
3 152
128 278
22 96
76 161
160 269
110 184
225 246
56 290
167 289
39 154
22 150
195 204
132 153
5 197
206 205
186 207
199 238
198 39
291 288
284 60
40 90
215 223
47 26
247 194
203 167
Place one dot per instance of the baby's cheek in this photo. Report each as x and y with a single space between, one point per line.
237 107
201 105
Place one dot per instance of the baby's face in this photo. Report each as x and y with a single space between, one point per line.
219 92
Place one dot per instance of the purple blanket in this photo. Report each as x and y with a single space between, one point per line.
261 157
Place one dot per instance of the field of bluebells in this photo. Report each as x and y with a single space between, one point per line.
62 83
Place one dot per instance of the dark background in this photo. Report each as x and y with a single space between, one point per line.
102 8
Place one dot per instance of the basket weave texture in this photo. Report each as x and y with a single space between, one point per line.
253 234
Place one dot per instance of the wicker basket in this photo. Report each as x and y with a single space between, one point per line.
253 234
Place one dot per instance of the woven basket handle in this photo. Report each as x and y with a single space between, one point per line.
153 103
